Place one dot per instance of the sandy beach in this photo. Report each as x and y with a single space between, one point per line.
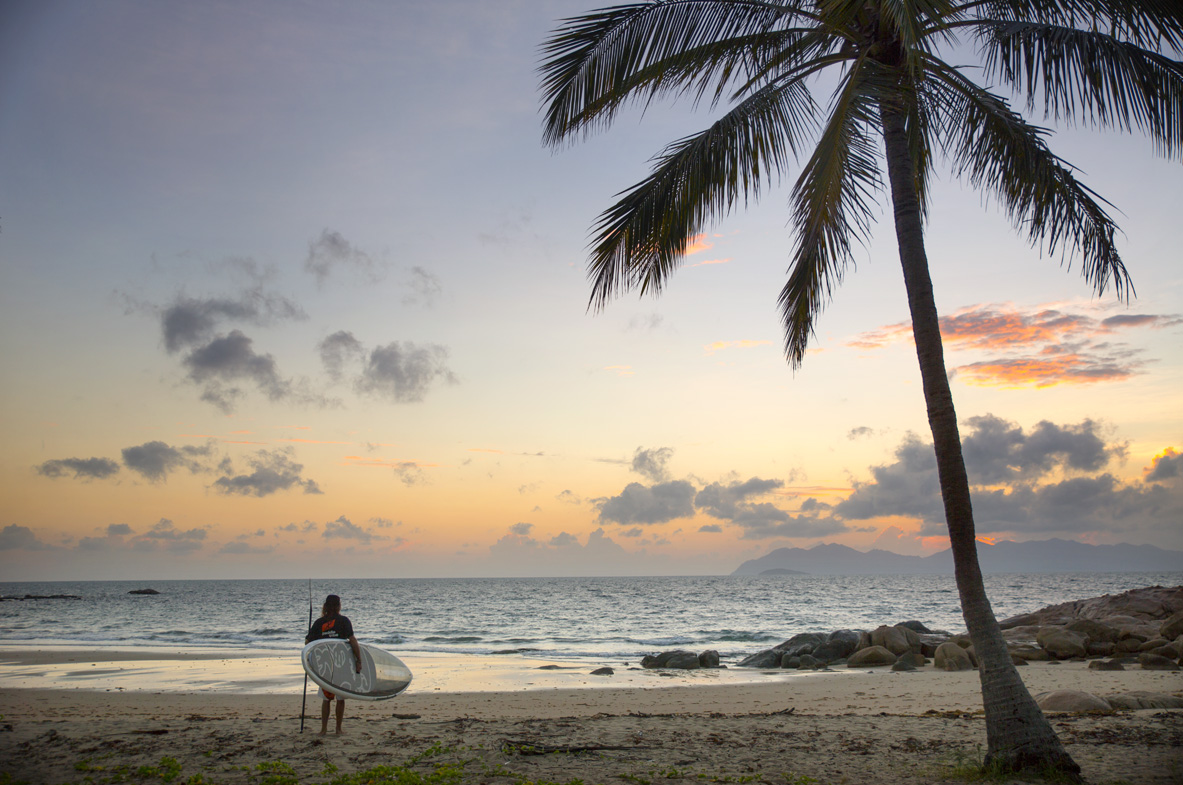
238 721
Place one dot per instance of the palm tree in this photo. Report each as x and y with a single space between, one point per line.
1102 62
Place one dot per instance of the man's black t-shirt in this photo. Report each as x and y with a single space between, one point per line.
330 627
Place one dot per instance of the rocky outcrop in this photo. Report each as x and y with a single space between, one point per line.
1143 622
680 659
143 591
1150 605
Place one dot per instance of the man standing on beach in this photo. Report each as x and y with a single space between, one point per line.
332 624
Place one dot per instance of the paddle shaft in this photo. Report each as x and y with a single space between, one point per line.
304 701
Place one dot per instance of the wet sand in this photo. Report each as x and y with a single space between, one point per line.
853 726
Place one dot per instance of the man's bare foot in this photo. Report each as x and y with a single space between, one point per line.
322 733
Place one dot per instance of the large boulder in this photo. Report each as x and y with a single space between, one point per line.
1156 662
1131 644
839 645
1106 665
890 638
769 658
915 626
1071 700
1061 644
807 662
1029 653
1144 700
1100 648
870 657
801 643
915 659
1152 644
951 657
709 659
1095 631
685 660
1172 628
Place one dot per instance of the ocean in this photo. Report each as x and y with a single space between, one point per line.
586 620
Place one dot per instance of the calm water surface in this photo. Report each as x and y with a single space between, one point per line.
563 618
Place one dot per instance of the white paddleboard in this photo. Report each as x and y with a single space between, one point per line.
329 662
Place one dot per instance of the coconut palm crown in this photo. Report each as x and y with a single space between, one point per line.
903 102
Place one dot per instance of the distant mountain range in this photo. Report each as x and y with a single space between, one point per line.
1006 556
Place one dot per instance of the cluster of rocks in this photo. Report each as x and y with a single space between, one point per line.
683 660
40 597
1139 627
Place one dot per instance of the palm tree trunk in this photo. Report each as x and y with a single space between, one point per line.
1018 735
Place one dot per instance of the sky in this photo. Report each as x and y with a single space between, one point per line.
294 289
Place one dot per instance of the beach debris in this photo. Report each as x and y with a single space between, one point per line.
398 716
532 747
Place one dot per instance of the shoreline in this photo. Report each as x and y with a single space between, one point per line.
846 725
178 670
448 682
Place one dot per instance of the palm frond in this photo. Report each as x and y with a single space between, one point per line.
911 20
644 235
832 207
997 150
1091 77
594 64
1150 24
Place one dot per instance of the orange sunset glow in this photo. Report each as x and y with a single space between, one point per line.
307 294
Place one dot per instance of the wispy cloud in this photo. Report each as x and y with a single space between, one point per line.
331 253
80 468
1036 346
271 472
